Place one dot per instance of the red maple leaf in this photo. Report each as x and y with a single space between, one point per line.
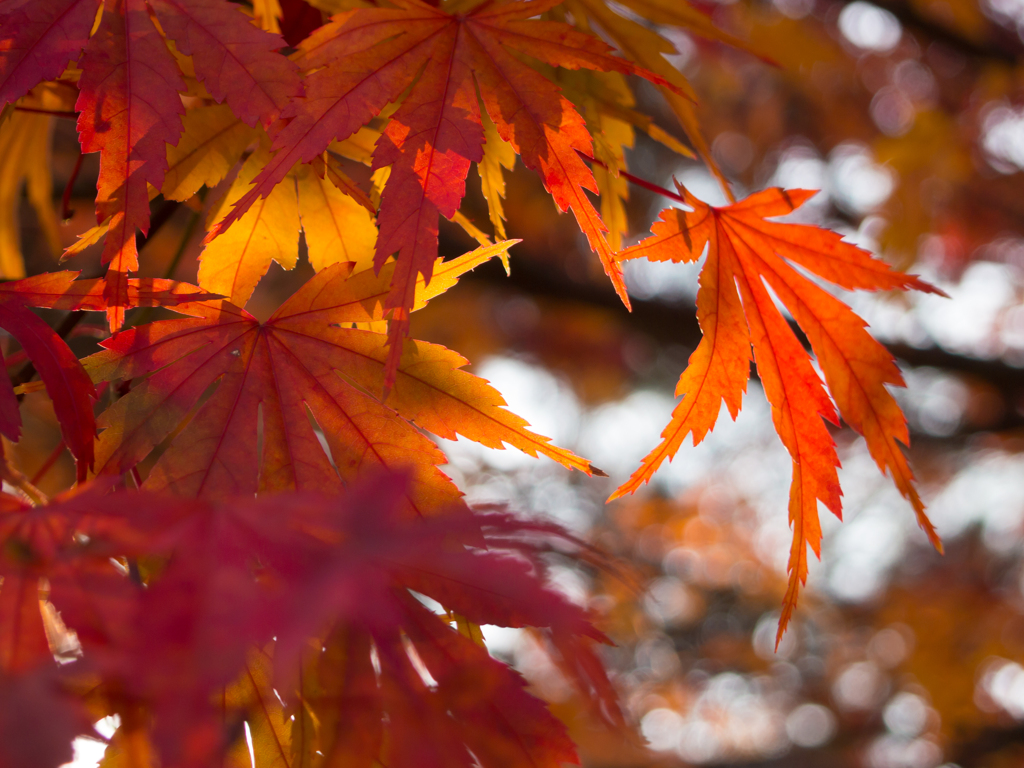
130 105
67 384
329 577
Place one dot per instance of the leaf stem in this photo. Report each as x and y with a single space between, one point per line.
190 229
48 464
65 201
650 186
15 477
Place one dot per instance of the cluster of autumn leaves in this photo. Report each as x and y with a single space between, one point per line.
293 618
178 95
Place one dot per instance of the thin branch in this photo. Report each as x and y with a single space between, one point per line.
190 229
53 112
159 219
15 477
999 45
676 323
65 200
48 464
163 214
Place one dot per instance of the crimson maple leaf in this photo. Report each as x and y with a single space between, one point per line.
747 255
39 719
58 542
369 57
130 104
67 384
329 577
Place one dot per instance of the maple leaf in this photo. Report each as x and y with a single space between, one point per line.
213 141
337 228
23 643
327 572
46 542
234 59
369 57
471 699
747 255
129 104
67 384
129 109
305 362
593 92
37 41
648 48
39 720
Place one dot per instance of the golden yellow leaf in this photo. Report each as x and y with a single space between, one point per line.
268 15
269 728
233 263
131 748
646 47
25 149
337 227
498 154
213 141
612 134
359 146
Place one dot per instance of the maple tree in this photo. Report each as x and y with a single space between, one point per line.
261 544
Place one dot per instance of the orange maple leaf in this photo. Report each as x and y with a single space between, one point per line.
369 57
747 255
305 364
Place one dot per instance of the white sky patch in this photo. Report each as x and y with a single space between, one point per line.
532 392
801 167
89 752
856 182
869 27
661 279
1005 10
1002 137
810 725
1001 683
982 318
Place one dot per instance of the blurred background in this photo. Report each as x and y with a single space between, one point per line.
909 116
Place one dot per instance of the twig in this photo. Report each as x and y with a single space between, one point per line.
48 464
650 186
54 113
190 229
15 477
163 214
65 201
